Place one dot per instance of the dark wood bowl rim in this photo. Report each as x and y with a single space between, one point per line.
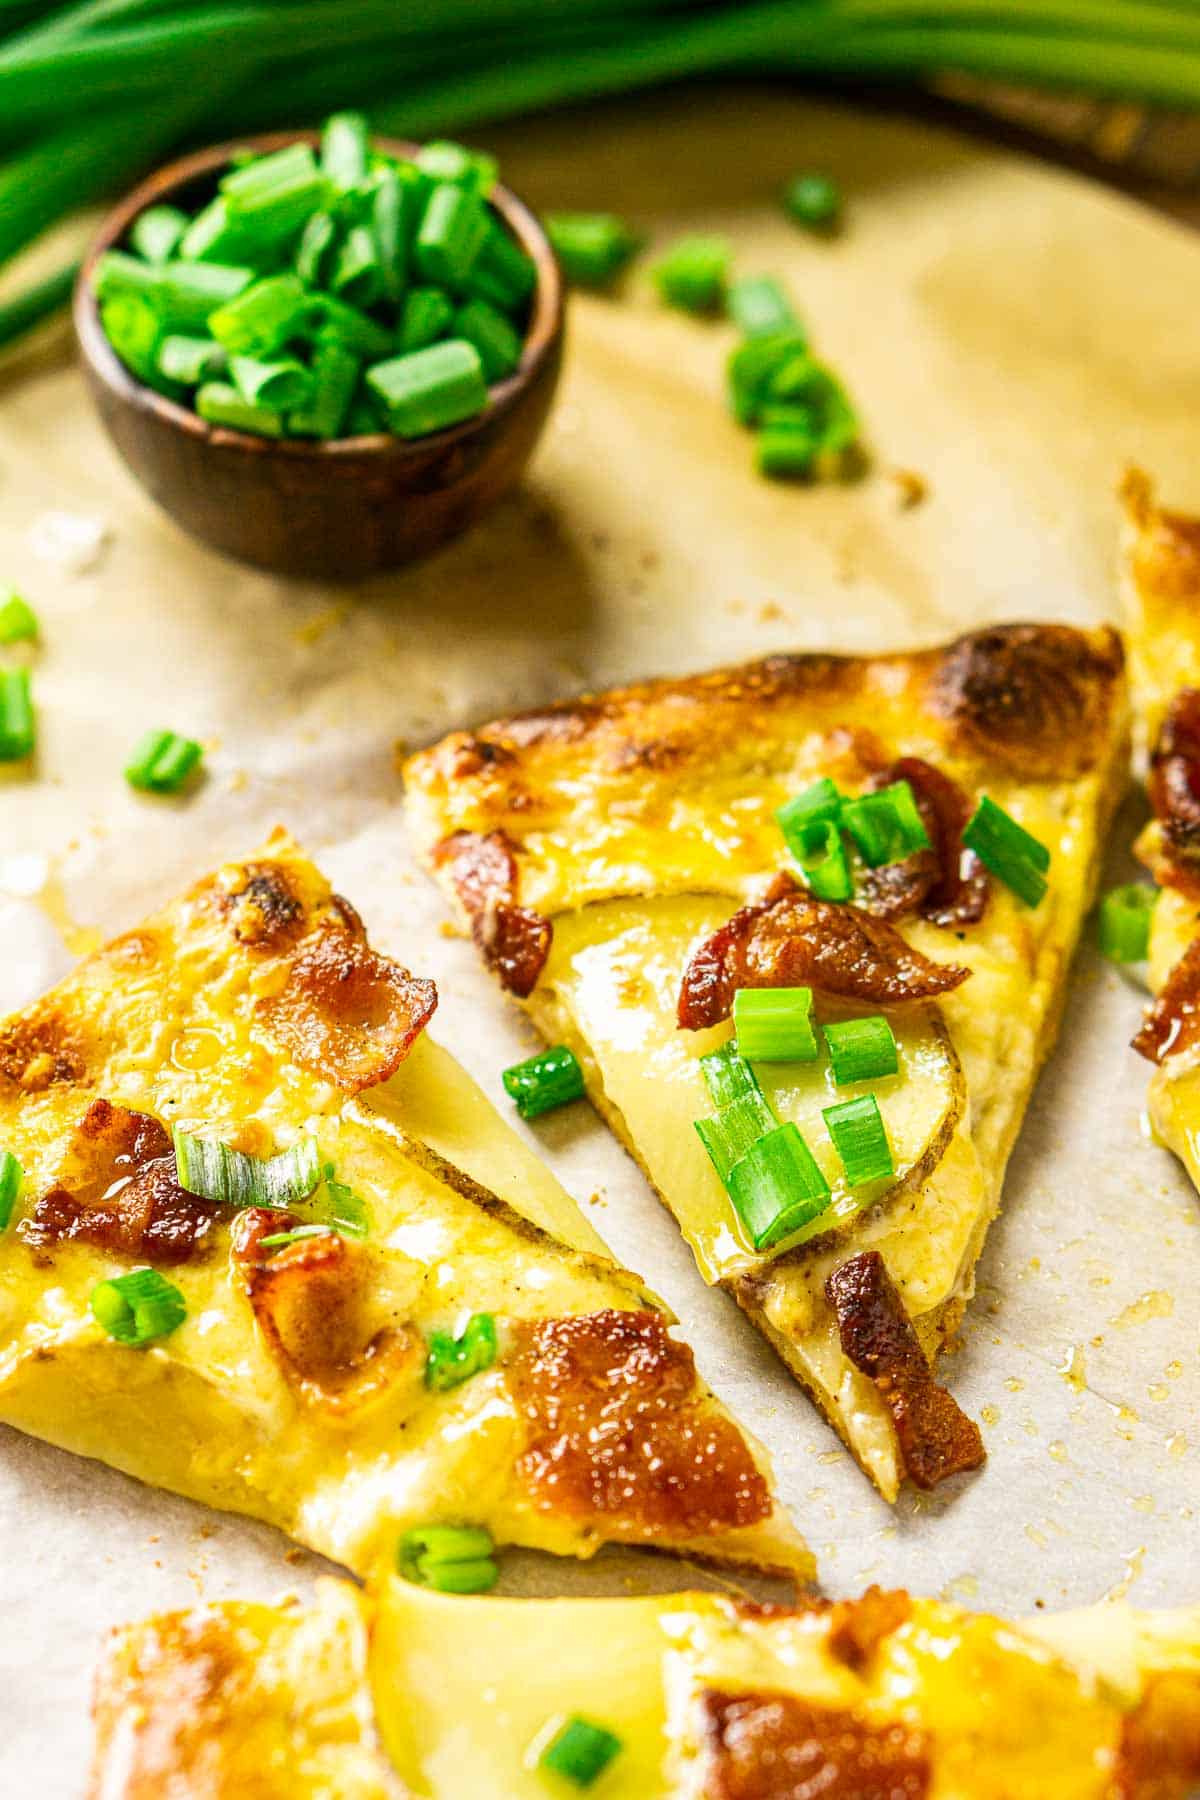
545 322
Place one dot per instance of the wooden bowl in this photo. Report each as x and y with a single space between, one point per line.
343 509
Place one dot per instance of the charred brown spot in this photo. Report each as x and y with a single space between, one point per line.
266 912
1037 698
619 1432
946 884
1172 1021
778 1746
1175 778
792 940
513 940
347 1013
858 1627
936 1437
1159 1756
40 1049
316 1305
119 1189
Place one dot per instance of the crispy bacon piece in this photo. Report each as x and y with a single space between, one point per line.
314 1305
936 1437
777 1746
617 1430
513 940
947 884
858 1627
119 1190
1175 777
1172 1021
792 940
1159 1755
345 1012
1034 697
266 911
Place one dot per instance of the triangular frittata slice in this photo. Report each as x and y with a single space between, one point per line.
1161 583
324 1379
620 865
683 1696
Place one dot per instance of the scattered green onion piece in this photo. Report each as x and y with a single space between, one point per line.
329 317
861 1049
356 276
137 1308
1126 914
814 200
259 320
784 453
728 1076
499 346
857 1130
345 150
334 379
187 296
18 621
162 762
274 196
278 1239
445 161
429 390
12 1179
316 241
786 415
279 386
753 366
758 306
219 403
155 234
214 235
455 1559
191 360
593 248
503 273
451 234
453 1360
775 1024
18 730
777 1186
134 330
538 1085
818 804
693 273
217 1172
734 1130
887 825
346 1211
1013 855
580 1751
428 315
821 856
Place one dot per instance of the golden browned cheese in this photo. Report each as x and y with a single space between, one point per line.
639 826
882 1698
254 1012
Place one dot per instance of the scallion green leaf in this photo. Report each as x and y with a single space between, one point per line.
296 1235
887 825
220 403
593 248
259 320
18 621
356 276
18 726
162 762
1013 855
138 1308
230 1177
155 234
334 379
1126 915
543 1082
728 1076
758 305
861 1049
12 1179
191 360
498 344
777 1186
580 1751
429 390
693 274
774 1024
451 234
428 315
453 1360
734 1129
814 200
860 1139
455 1559
278 385
445 161
345 150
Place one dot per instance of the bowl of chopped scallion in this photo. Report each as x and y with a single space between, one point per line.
322 353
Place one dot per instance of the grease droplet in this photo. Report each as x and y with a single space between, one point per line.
1153 1305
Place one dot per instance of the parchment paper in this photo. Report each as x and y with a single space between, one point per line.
1012 334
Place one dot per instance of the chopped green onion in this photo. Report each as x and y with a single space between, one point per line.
734 1130
187 296
758 305
1126 914
428 315
503 273
453 1360
139 1307
861 1049
191 360
693 273
258 321
346 1210
753 366
216 1172
886 825
824 864
155 234
18 728
593 248
298 1233
728 1076
499 346
162 762
354 330
450 235
134 330
118 275
275 195
345 150
18 621
362 420
784 453
1012 854
543 1082
580 1751
279 386
857 1130
219 403
777 1186
818 804
430 389
775 1024
334 379
357 276
814 201
455 1559
215 235
444 161
12 1179
316 241
389 225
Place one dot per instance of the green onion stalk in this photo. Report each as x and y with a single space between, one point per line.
98 91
